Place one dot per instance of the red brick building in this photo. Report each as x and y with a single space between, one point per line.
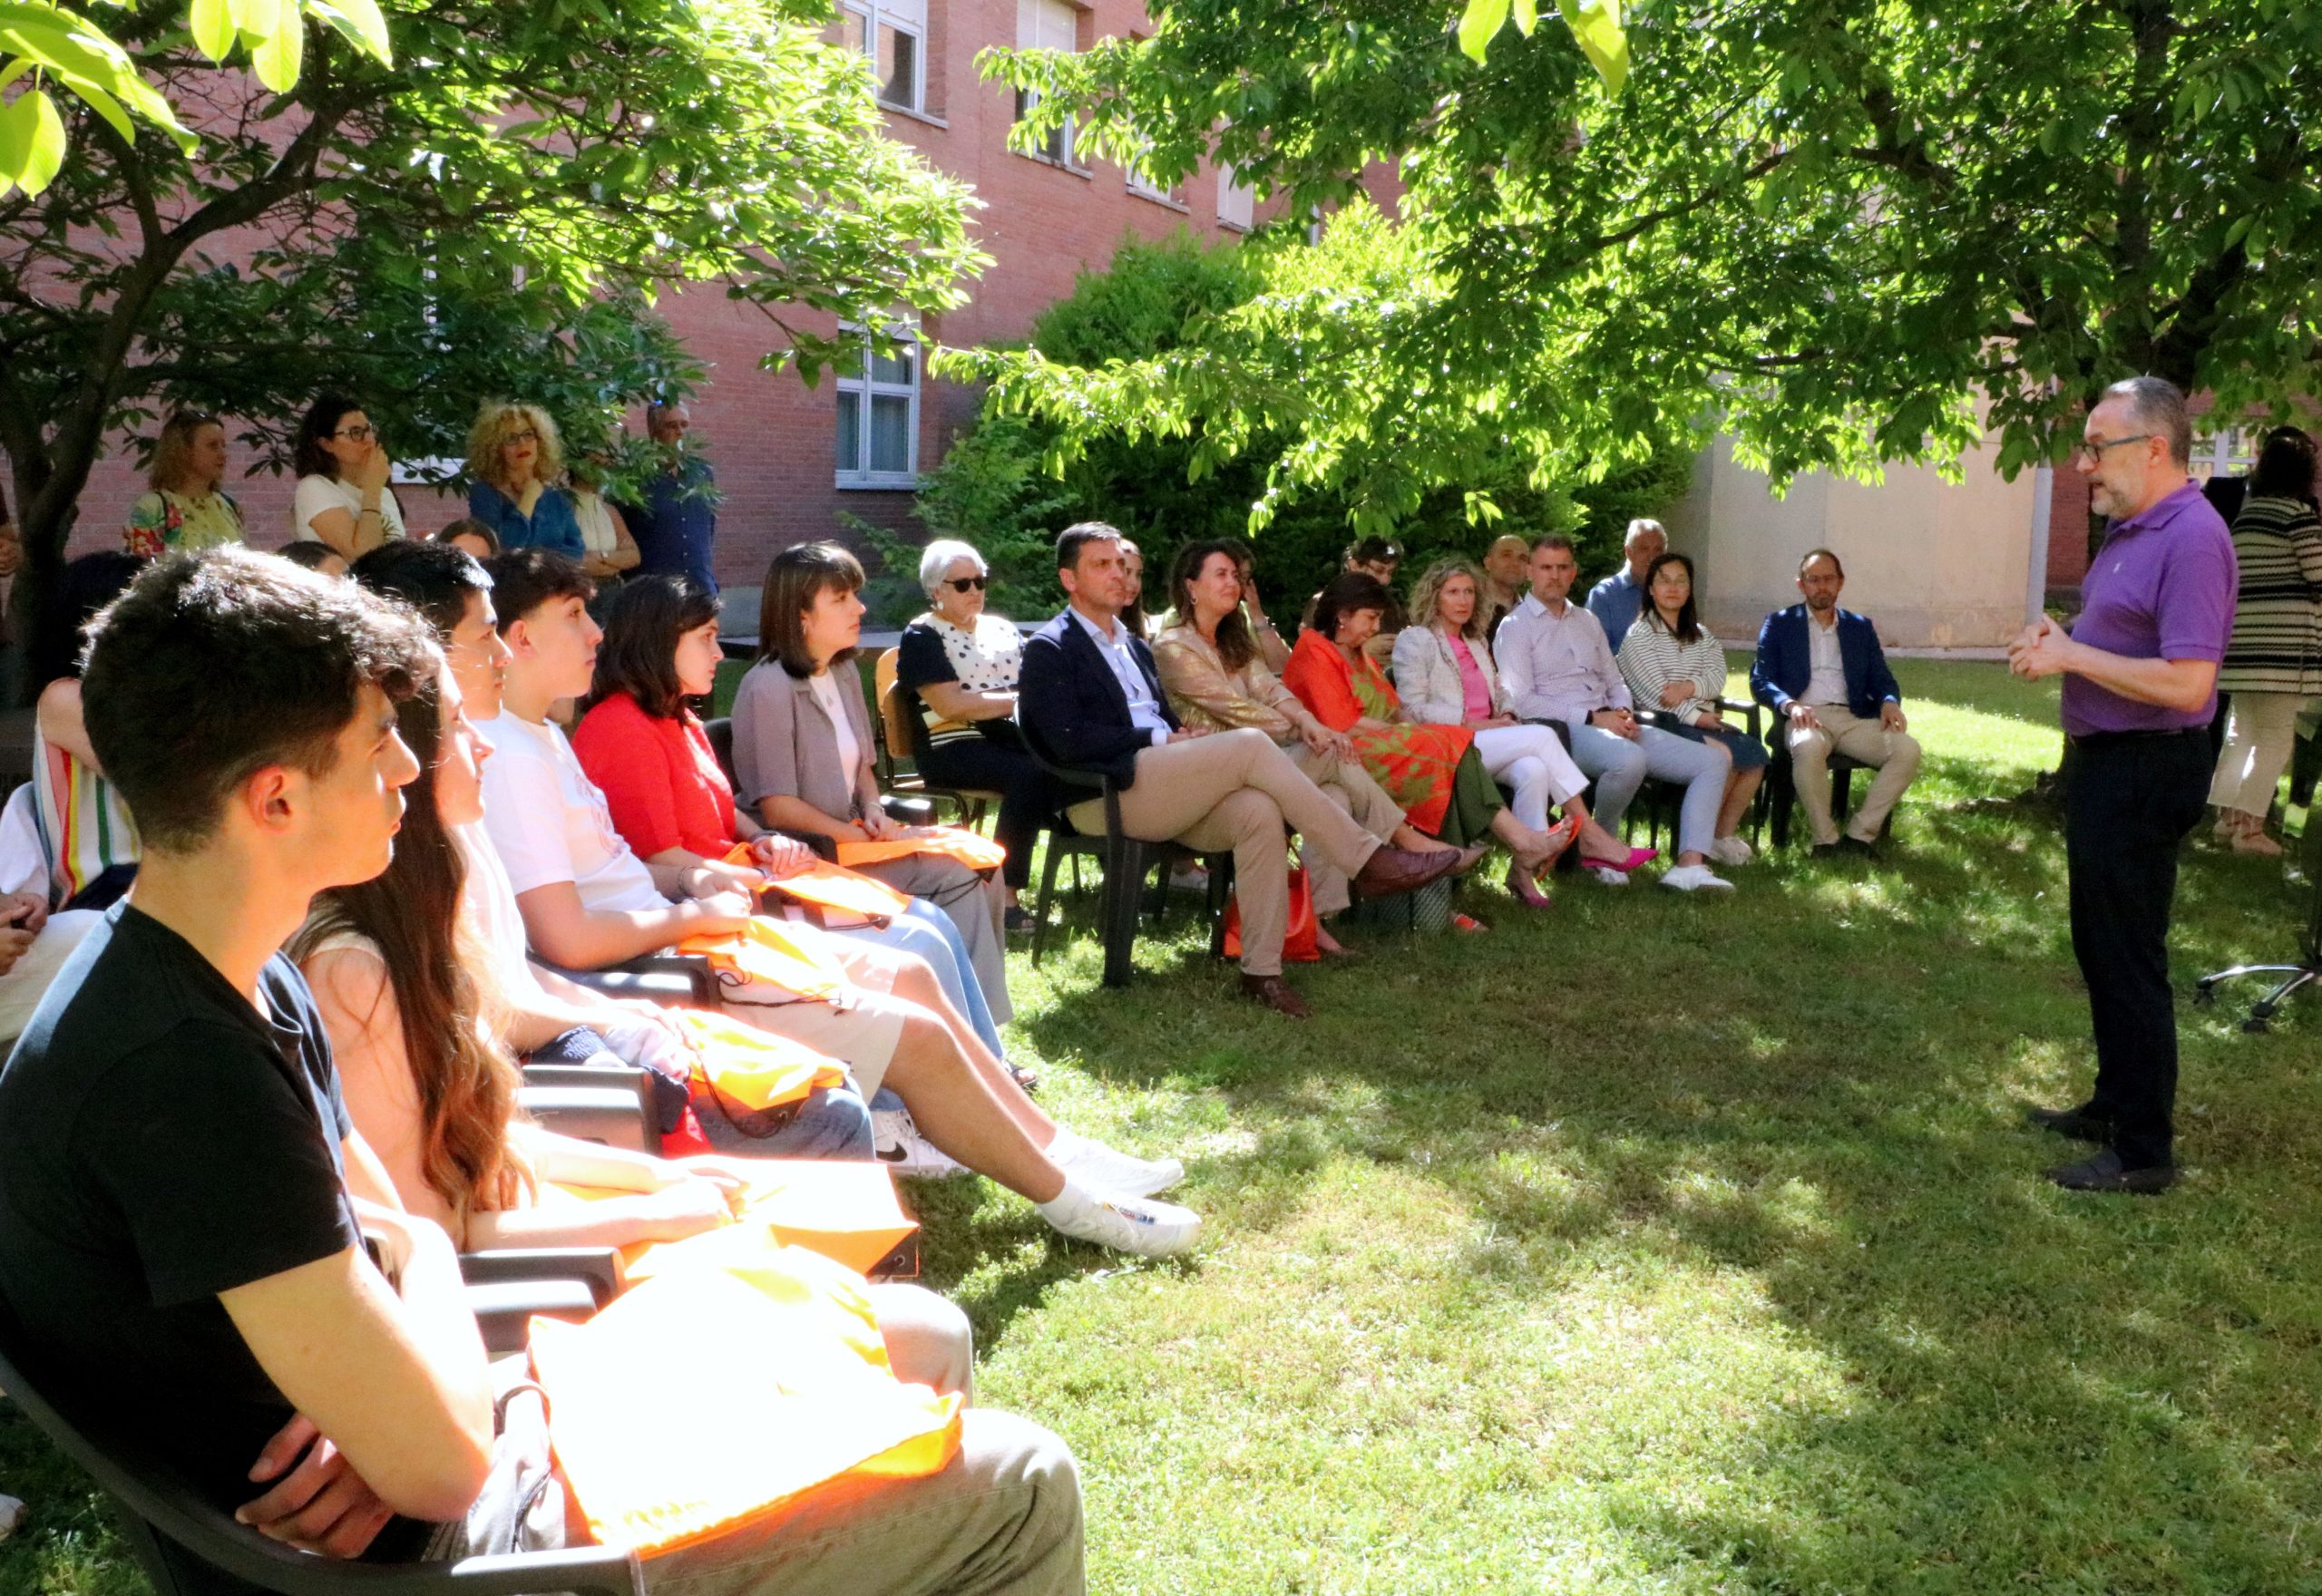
790 458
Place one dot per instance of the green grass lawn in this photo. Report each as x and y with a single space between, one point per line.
1658 1243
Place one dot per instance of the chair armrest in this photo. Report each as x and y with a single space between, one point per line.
584 1571
597 1267
660 977
611 1114
596 1078
908 811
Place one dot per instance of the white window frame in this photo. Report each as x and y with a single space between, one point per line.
906 18
1057 150
865 385
2226 453
1234 195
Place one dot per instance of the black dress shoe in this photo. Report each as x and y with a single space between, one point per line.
2106 1173
2080 1124
1857 847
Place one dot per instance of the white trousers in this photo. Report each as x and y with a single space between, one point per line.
1531 761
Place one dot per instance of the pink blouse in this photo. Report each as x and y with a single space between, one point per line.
1472 686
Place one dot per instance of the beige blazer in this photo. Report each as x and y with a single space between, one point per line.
785 744
1427 678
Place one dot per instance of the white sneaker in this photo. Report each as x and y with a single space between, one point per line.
896 1143
1731 851
1695 877
1125 1224
1608 875
1107 1169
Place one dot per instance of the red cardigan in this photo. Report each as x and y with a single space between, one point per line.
659 777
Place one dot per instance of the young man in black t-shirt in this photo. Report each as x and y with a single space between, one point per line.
187 1222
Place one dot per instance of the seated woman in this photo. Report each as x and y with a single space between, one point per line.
188 507
514 462
342 499
84 829
1445 675
651 757
433 1090
802 747
1211 670
1431 771
960 664
470 537
1672 663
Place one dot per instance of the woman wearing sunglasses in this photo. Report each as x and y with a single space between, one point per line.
342 499
515 463
959 664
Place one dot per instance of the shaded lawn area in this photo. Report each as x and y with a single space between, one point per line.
1660 1244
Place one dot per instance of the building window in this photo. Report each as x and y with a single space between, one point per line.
878 417
1047 24
1236 205
2230 452
894 35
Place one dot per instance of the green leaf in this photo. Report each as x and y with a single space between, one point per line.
1527 15
106 106
1482 20
15 141
213 28
359 22
1596 23
259 19
277 61
37 134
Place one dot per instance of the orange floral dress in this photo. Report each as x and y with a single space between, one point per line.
1417 766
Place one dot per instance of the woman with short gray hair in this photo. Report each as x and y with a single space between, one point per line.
958 664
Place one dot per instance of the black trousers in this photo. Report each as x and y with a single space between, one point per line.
1029 795
2132 801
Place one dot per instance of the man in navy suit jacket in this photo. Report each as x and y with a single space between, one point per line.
1090 699
1820 669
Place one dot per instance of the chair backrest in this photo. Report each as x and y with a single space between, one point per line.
897 720
721 744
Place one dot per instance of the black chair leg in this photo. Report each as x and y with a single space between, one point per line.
1126 863
1783 798
1047 896
1221 892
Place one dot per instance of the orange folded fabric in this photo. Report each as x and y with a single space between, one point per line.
770 951
751 1068
843 1209
832 886
971 849
804 1397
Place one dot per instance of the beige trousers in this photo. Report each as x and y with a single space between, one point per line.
2260 736
1346 783
1236 790
1896 755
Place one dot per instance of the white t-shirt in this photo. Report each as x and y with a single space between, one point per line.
317 494
595 519
850 752
547 823
493 916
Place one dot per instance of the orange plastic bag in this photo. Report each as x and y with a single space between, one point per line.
843 1209
750 1068
1301 944
804 1397
769 951
969 848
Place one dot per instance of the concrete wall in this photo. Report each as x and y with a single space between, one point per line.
1936 565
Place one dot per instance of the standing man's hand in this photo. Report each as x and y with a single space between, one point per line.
2045 649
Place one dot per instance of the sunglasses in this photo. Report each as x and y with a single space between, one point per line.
961 584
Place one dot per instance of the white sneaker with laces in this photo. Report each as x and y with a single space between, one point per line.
1101 1168
1695 877
1125 1224
1731 851
896 1143
1610 877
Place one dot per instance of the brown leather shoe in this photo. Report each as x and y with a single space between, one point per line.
1390 871
1277 994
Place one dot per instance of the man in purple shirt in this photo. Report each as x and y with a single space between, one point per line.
2140 670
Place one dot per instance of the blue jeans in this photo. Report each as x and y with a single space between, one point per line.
927 931
1620 767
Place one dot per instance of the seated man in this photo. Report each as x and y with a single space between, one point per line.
1619 598
1557 667
1090 699
192 1236
1505 580
1820 669
586 900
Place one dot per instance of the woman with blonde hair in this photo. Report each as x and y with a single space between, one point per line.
515 461
1445 674
185 508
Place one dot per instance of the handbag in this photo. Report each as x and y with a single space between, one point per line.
1302 942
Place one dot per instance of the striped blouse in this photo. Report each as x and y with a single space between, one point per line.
2276 645
1651 659
84 827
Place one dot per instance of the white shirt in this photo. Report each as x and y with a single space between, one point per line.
850 752
595 519
317 494
547 823
1142 708
1558 666
1828 682
493 918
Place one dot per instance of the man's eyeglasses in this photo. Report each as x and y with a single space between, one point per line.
357 434
2093 450
963 584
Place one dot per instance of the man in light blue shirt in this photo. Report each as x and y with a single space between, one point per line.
1619 598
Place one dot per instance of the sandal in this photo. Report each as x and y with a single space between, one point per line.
1524 888
1467 922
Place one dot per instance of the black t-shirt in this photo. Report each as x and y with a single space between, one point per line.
161 1141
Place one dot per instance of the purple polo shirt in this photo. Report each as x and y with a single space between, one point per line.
2161 587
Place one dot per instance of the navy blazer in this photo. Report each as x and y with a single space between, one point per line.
1785 662
1072 705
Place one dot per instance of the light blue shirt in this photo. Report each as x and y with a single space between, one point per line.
1616 602
1558 666
1113 646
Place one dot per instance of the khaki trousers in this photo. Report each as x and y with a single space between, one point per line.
1236 790
1896 755
1346 783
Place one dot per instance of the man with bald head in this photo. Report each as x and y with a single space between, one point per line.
2139 670
1506 579
1619 598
